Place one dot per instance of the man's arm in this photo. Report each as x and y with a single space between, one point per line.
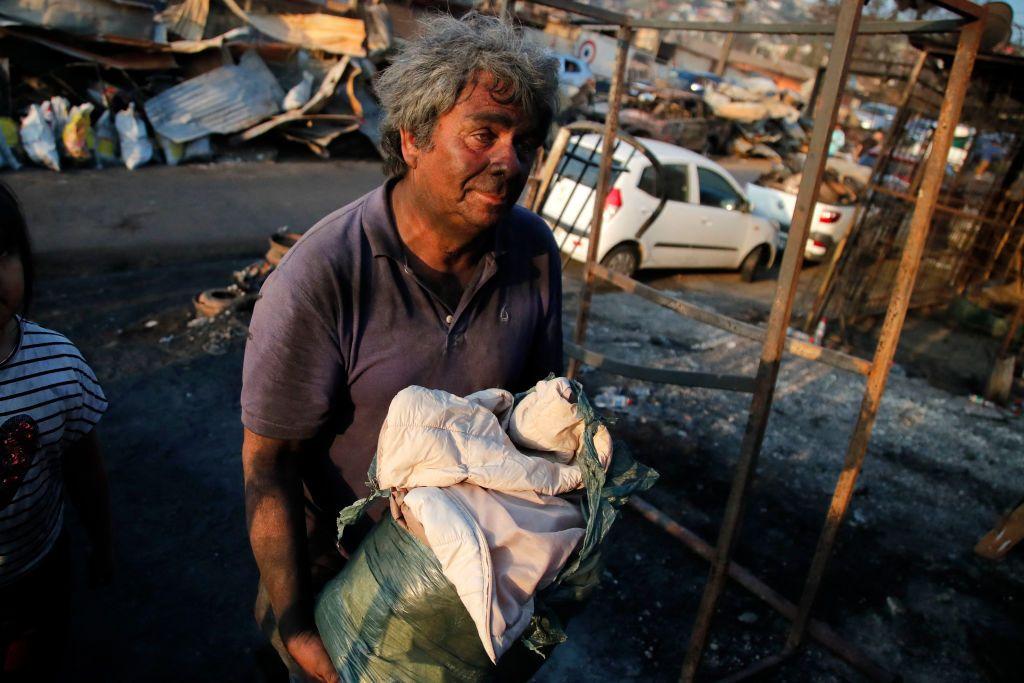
85 480
277 531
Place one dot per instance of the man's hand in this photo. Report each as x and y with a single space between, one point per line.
309 653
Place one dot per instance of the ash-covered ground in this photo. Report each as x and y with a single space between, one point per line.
904 584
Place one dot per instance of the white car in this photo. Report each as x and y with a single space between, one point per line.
573 71
830 223
700 218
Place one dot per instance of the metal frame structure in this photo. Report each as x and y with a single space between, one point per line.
774 340
987 223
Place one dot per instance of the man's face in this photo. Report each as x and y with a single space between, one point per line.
478 160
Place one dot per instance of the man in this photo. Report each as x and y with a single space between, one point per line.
435 278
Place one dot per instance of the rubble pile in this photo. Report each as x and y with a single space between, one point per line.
747 118
94 87
836 188
766 123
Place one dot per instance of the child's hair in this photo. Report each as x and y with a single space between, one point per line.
14 237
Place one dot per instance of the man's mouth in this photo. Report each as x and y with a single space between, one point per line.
492 197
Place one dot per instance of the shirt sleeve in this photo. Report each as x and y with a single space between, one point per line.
88 407
293 364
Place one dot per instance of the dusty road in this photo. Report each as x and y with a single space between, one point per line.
161 214
904 586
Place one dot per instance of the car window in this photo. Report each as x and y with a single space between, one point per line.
579 164
675 178
716 190
571 67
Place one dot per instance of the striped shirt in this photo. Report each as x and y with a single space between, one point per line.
49 398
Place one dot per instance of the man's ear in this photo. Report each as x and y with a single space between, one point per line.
410 152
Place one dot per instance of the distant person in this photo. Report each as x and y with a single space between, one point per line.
50 403
989 151
436 278
837 141
871 149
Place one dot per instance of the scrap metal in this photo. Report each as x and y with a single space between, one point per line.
845 30
225 100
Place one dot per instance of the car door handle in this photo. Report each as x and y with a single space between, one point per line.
705 221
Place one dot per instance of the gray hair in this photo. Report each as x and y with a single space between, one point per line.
431 71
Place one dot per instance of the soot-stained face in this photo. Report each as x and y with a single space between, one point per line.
478 159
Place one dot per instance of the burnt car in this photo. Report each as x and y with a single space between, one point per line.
675 116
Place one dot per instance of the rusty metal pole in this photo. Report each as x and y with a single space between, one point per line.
884 153
723 56
748 580
538 193
956 89
775 338
1002 242
611 125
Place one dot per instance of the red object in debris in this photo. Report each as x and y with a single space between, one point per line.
819 244
828 217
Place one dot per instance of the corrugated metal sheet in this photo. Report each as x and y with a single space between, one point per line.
83 17
225 100
314 31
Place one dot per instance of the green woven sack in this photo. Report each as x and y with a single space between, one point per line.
391 615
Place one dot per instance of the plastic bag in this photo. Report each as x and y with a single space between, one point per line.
136 149
37 139
106 140
198 149
77 134
173 151
391 615
56 111
299 94
8 143
9 130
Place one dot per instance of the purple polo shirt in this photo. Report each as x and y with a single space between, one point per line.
343 324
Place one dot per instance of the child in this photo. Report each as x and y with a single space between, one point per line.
49 404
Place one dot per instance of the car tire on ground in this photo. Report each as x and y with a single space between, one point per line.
623 259
210 303
754 263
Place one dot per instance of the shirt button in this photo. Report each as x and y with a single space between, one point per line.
448 320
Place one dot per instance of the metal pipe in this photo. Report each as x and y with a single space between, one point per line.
956 89
749 581
783 28
1002 242
723 57
778 321
611 125
796 347
682 378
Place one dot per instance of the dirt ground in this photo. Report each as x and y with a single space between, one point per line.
904 585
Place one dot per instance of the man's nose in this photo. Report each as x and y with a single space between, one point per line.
505 157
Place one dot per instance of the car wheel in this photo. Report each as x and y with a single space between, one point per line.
754 263
623 259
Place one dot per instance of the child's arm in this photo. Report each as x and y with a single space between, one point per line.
85 478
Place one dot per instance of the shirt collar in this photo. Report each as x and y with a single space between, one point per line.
382 233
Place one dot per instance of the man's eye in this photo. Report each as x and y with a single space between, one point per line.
485 136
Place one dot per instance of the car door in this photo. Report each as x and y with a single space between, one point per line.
668 241
722 224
